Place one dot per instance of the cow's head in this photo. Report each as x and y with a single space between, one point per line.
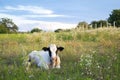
53 52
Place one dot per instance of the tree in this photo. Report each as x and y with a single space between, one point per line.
94 24
36 30
59 30
114 18
8 25
82 24
100 23
3 29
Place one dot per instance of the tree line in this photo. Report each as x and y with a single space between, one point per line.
8 26
113 20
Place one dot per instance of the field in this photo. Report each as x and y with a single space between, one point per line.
88 55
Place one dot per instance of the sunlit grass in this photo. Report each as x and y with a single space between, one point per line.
88 55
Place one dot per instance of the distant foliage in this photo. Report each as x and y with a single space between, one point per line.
82 24
36 30
58 30
100 23
62 30
3 29
8 26
114 18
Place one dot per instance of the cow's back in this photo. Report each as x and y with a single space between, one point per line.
40 57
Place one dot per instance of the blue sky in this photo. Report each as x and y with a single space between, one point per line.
55 14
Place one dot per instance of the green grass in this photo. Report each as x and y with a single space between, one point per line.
88 55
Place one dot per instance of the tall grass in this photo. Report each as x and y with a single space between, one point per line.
89 55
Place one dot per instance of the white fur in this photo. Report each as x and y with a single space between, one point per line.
42 58
53 49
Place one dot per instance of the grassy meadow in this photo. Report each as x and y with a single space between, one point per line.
88 55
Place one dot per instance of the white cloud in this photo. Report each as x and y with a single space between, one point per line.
51 26
36 12
45 16
25 24
31 9
28 25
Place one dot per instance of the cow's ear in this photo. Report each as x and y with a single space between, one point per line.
60 48
45 48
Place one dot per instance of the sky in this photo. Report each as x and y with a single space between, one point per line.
50 15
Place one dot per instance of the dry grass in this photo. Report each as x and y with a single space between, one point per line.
88 55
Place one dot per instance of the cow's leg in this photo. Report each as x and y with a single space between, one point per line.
28 64
58 62
53 62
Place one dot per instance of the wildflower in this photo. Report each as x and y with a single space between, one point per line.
31 76
86 60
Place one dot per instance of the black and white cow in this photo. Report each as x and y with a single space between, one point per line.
47 57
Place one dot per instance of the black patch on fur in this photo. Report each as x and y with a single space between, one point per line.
59 49
29 60
47 49
50 54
